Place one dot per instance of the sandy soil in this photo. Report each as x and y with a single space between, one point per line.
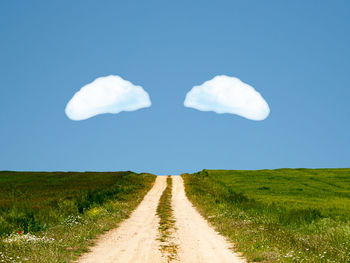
135 240
198 242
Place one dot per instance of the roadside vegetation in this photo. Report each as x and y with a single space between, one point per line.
54 217
167 223
284 215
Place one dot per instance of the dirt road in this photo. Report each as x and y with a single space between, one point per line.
135 240
198 242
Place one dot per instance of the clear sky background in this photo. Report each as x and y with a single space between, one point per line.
295 53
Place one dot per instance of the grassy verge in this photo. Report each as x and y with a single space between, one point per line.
59 214
167 223
284 215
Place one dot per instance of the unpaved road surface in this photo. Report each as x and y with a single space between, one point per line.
136 239
198 242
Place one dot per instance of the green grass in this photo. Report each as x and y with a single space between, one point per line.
167 223
61 213
284 215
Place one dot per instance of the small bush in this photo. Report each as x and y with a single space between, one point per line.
24 220
298 217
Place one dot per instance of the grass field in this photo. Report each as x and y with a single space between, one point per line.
167 223
58 214
284 215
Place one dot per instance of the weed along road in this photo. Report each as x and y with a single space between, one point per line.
138 239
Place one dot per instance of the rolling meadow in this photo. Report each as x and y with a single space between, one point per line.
284 215
54 216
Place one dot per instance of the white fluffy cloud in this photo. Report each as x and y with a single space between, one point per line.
110 94
224 94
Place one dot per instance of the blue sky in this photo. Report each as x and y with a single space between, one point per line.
295 53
